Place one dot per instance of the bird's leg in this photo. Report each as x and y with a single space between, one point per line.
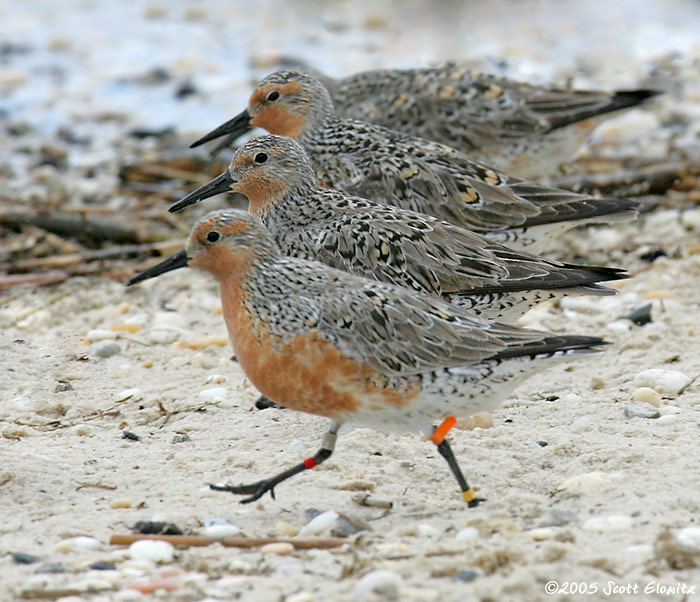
438 438
261 487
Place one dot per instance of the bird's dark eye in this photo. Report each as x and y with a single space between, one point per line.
260 158
273 96
213 236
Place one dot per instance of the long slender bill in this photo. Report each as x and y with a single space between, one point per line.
237 126
218 185
179 260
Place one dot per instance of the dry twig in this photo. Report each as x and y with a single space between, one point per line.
186 541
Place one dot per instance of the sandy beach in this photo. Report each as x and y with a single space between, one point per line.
587 496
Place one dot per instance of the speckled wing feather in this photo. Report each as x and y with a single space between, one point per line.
394 330
467 108
448 103
386 166
435 179
401 247
414 250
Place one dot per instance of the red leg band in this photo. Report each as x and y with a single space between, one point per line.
441 431
309 463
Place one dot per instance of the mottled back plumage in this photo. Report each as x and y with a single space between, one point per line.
390 244
519 128
389 167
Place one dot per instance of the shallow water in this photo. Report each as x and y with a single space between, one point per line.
92 64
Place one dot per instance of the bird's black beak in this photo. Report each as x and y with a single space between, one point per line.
179 260
236 127
218 185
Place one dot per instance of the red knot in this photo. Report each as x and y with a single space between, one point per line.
326 342
390 244
377 163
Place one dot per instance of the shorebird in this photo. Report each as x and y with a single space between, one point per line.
520 129
325 342
387 243
377 163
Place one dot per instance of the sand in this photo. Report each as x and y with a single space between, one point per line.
577 493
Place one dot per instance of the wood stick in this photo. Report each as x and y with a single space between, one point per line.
187 541
38 279
650 179
71 225
27 265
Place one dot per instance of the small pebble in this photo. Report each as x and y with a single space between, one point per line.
89 584
300 597
149 586
279 548
346 526
670 419
559 518
597 382
127 595
129 436
466 575
133 394
647 395
639 315
380 582
217 379
121 503
214 394
587 482
652 254
164 335
104 349
74 544
131 327
202 342
238 566
217 521
100 334
467 534
612 522
155 551
284 528
670 410
365 499
82 430
640 409
298 446
394 551
541 534
640 552
221 531
23 558
102 565
320 523
148 527
689 537
619 326
182 438
228 587
51 567
662 380
482 420
427 531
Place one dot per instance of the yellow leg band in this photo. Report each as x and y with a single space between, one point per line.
468 495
